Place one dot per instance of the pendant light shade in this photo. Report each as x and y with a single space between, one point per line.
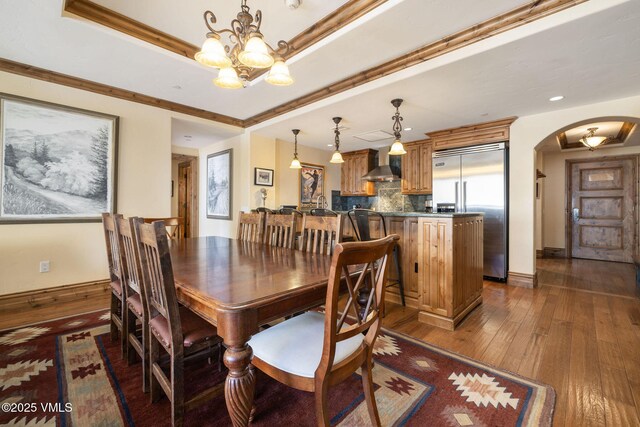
228 79
256 54
279 74
397 148
295 163
591 141
337 157
212 54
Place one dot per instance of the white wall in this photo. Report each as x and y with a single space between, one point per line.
555 199
526 133
77 251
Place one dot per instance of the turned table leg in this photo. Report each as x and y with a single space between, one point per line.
240 384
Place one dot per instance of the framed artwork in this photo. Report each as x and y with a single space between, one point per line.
263 177
311 185
219 185
59 164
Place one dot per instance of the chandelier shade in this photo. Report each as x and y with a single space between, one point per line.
591 141
279 74
397 149
243 49
228 79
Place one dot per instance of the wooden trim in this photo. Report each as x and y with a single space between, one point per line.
479 133
116 21
554 253
28 300
539 253
522 280
344 15
102 89
625 130
515 18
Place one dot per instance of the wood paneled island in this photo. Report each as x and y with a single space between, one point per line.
441 262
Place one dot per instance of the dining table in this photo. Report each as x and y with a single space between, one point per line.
238 286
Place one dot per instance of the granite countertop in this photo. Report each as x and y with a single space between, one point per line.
425 214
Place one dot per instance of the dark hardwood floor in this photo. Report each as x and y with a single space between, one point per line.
579 331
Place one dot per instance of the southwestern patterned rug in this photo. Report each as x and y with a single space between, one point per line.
68 373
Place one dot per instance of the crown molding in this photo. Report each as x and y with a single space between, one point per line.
102 89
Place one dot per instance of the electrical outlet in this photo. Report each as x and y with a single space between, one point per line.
44 266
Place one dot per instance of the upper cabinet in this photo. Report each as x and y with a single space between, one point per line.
465 136
356 165
416 168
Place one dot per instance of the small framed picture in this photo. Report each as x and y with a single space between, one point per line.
263 177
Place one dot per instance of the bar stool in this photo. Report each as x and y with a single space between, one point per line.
359 219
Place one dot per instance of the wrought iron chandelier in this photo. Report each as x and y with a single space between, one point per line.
337 156
591 141
295 163
242 50
397 148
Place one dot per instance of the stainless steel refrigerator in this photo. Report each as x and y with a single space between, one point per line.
475 179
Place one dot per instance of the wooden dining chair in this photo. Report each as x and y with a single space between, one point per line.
174 328
250 226
313 351
320 233
137 339
280 230
114 258
174 226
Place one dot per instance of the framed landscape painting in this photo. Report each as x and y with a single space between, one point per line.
219 185
58 162
263 177
311 185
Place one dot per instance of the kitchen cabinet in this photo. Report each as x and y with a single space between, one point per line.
416 168
450 258
476 134
356 165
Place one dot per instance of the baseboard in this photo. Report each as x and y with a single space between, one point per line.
522 280
539 253
22 301
554 253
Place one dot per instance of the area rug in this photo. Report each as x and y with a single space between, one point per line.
68 373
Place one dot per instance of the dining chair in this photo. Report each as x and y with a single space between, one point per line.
174 226
359 219
250 226
320 233
174 328
280 230
323 212
115 263
137 311
313 351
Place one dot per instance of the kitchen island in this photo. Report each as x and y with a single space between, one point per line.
441 262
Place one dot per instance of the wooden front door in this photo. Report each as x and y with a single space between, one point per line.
602 217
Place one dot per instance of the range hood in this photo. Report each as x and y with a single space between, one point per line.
384 172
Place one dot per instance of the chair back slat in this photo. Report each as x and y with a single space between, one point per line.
129 249
358 265
114 256
280 230
320 233
250 226
157 275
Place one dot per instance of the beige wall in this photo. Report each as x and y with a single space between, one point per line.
288 179
77 251
553 216
263 155
526 133
539 201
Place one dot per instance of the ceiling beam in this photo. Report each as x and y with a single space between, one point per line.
102 89
522 15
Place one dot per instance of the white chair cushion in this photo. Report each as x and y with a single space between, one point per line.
295 345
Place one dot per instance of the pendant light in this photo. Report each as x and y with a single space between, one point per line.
295 163
397 148
337 157
591 141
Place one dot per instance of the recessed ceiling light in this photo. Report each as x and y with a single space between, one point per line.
408 129
556 98
329 145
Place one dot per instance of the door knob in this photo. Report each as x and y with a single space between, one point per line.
576 214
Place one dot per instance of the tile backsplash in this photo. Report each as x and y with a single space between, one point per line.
388 199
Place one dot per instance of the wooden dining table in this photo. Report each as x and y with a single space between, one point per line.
239 286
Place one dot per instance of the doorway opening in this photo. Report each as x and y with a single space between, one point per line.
184 191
